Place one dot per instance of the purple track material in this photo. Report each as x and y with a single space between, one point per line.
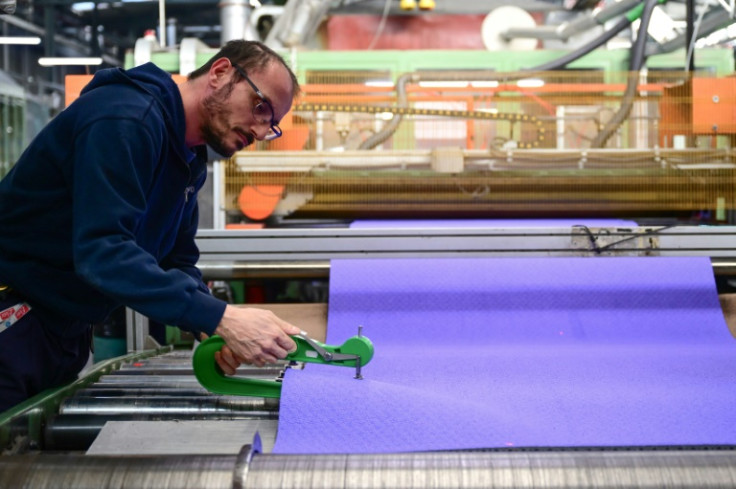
492 223
519 352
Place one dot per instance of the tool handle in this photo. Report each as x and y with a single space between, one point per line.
212 378
360 346
209 374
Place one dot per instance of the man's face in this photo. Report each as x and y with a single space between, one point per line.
229 121
217 129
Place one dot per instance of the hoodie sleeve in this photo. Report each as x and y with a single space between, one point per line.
116 161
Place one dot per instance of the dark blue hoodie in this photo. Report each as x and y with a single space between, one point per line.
101 209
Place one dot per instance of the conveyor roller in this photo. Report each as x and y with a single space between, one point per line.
172 406
59 471
520 469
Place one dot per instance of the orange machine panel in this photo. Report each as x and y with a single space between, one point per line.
714 105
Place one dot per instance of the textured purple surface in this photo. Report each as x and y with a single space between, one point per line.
474 353
492 223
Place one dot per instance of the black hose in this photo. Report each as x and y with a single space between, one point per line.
638 56
563 61
389 129
636 62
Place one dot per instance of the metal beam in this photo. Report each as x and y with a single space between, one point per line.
454 7
33 28
306 252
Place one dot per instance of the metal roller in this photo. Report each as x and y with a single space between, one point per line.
78 431
518 469
173 376
151 380
144 391
123 383
158 370
52 471
170 406
185 369
648 469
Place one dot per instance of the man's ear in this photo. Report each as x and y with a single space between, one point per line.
220 73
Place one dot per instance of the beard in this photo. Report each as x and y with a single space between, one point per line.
215 127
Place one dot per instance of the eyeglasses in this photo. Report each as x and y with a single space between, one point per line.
263 110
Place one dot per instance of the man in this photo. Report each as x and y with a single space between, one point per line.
100 211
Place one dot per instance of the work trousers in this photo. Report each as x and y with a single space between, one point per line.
33 358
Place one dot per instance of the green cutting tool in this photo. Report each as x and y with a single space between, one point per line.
355 352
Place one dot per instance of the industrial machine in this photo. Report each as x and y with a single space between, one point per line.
144 421
470 135
133 421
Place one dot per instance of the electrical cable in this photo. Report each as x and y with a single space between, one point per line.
600 249
639 49
389 129
636 62
623 23
696 28
563 61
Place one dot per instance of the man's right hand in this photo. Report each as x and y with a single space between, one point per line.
254 336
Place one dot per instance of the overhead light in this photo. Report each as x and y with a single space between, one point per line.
530 83
379 83
443 84
26 40
69 61
484 84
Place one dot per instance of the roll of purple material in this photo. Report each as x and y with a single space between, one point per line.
519 352
493 223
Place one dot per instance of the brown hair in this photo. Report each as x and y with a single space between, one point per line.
249 55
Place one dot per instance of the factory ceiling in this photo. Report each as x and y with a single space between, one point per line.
112 27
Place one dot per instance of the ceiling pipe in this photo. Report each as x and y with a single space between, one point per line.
274 11
564 31
235 21
298 23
